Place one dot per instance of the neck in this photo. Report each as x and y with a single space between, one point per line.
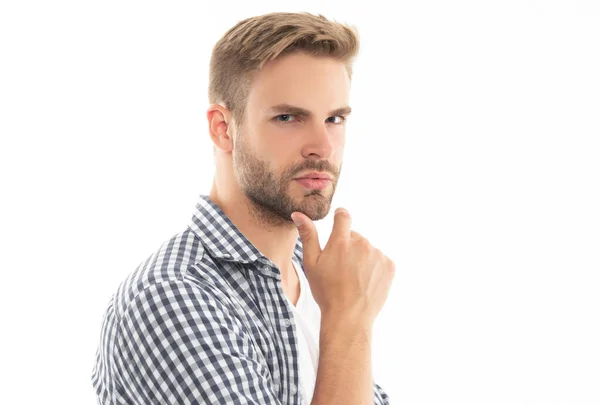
276 241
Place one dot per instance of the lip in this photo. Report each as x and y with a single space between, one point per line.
318 184
315 175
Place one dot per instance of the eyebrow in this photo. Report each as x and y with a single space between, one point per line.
302 112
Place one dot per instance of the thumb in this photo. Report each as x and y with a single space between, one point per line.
311 249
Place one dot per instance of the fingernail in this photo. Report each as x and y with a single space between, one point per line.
296 221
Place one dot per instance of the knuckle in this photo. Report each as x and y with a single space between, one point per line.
342 244
359 239
363 243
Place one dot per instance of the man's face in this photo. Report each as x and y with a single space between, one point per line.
274 147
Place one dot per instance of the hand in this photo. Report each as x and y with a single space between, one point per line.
349 276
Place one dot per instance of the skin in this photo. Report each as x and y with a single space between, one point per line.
254 181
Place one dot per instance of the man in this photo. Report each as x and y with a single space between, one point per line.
244 307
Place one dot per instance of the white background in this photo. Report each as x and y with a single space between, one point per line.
472 160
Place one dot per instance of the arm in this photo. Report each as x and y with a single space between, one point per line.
344 373
178 344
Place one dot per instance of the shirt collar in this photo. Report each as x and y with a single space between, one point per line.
222 238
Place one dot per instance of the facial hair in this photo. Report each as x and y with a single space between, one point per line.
271 197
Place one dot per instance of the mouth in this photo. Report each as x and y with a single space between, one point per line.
315 175
314 183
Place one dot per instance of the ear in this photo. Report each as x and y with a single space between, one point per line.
220 126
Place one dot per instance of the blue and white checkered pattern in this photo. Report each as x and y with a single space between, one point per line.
203 320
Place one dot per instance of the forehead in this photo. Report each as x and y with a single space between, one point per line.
315 83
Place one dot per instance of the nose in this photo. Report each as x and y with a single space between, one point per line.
319 143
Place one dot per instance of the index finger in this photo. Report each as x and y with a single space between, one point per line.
342 222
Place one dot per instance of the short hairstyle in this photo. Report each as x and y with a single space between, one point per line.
252 42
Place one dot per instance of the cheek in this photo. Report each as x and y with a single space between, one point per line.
338 141
282 143
283 146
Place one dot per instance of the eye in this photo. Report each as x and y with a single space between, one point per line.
286 119
342 119
284 116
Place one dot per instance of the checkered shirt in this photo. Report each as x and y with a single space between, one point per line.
203 320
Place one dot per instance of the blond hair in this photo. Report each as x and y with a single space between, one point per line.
252 42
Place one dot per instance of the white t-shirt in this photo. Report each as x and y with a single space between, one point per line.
307 316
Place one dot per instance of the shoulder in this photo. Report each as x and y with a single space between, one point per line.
167 267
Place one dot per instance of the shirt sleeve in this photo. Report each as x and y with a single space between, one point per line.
178 344
380 396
